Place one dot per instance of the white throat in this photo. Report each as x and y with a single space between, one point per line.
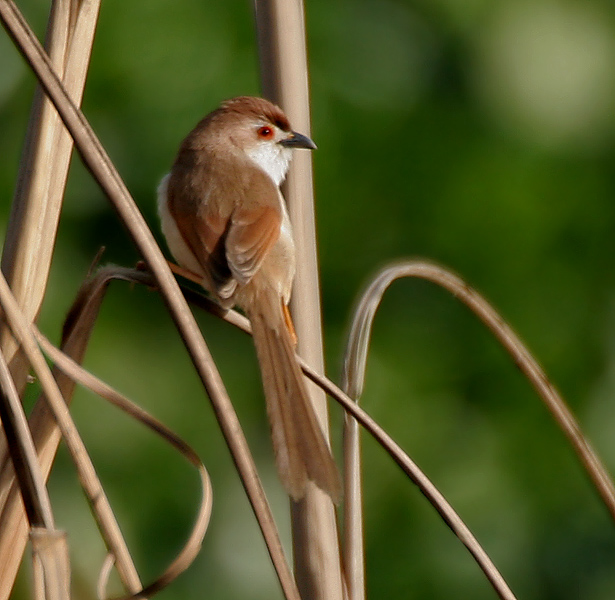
273 159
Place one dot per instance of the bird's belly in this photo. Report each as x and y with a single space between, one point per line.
175 241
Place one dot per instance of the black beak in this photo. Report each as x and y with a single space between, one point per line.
297 140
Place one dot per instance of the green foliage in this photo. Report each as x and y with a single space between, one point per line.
476 134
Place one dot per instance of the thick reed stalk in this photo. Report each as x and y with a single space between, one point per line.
283 58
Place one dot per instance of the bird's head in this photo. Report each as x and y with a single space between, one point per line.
261 130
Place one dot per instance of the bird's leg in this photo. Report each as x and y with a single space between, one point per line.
185 273
289 323
181 271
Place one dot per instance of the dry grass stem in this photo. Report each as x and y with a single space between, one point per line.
50 564
30 239
101 167
85 469
190 550
44 166
103 576
74 343
356 357
23 453
353 554
284 74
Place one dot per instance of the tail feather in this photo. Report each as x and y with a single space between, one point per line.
300 447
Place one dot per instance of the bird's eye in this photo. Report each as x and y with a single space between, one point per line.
265 132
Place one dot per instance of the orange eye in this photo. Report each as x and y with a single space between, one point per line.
265 132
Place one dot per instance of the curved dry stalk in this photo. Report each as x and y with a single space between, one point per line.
355 360
395 451
46 437
103 576
85 469
353 571
192 546
101 167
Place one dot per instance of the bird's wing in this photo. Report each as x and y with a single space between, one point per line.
230 240
253 231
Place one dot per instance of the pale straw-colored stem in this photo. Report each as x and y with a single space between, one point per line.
283 58
356 357
353 551
85 469
35 211
192 546
30 240
50 564
23 453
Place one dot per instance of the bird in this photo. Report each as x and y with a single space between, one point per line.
225 220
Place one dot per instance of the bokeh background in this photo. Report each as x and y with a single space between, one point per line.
476 133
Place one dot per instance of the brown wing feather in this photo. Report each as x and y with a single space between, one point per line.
250 237
231 222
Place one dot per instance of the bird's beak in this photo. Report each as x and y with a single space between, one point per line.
298 140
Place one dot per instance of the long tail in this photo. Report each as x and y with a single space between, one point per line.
298 441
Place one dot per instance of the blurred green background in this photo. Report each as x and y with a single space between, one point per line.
479 134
